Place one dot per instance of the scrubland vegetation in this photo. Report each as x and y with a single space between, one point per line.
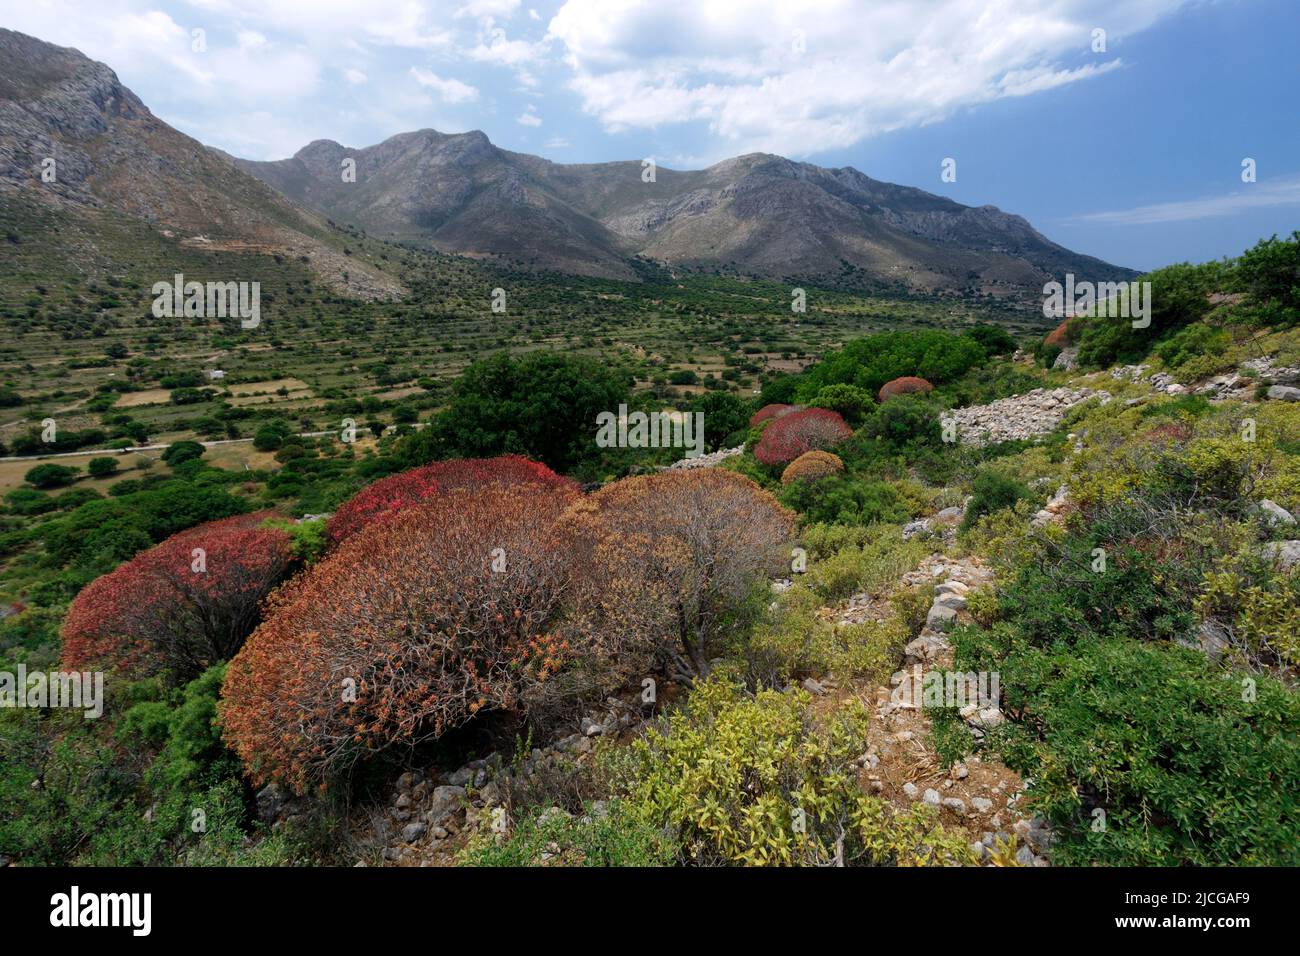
469 582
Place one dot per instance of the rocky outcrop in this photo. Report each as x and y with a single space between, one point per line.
1285 553
1067 360
709 460
1054 508
428 810
1020 416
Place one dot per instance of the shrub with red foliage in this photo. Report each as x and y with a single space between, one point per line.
770 411
1060 336
403 632
184 604
791 435
903 386
665 558
392 494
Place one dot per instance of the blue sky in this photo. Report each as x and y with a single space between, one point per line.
1132 154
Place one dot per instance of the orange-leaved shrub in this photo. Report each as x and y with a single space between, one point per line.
182 605
810 429
396 492
1060 336
811 465
769 412
903 386
406 630
667 558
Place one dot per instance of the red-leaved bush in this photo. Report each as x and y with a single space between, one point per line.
903 386
1060 336
406 630
791 435
184 604
391 495
770 411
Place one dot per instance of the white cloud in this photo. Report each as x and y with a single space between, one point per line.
803 78
529 118
1284 192
494 47
354 76
450 90
488 8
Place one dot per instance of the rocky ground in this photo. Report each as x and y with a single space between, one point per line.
1020 416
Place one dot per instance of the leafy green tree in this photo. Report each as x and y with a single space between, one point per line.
849 400
1179 296
779 390
101 467
267 438
50 476
870 362
994 339
1270 273
182 451
724 415
542 405
906 421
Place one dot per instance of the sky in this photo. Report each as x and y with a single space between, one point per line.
1118 128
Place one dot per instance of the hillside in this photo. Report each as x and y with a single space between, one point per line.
113 158
756 215
971 607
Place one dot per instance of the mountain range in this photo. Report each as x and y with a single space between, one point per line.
758 215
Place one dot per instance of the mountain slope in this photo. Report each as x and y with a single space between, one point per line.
113 157
756 214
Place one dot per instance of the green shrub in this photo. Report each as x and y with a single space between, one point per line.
870 362
905 422
603 836
796 641
992 491
1179 297
29 501
1191 406
1190 764
50 476
180 452
1269 272
1192 342
849 400
269 437
882 558
844 499
994 339
101 467
729 775
725 416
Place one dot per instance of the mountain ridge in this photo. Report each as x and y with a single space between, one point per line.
758 214
111 155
